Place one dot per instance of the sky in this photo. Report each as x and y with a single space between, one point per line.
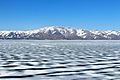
85 14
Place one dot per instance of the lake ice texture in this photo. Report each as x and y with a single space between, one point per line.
59 60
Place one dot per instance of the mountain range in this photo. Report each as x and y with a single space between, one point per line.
61 33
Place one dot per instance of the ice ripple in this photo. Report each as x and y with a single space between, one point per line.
59 61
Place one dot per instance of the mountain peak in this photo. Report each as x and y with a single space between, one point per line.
60 32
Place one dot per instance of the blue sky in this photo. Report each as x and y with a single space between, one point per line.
86 14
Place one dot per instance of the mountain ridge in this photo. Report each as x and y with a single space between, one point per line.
59 33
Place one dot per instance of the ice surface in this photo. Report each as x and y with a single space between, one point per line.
59 60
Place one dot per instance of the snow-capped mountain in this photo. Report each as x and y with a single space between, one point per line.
56 33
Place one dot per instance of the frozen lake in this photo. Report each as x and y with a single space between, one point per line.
59 60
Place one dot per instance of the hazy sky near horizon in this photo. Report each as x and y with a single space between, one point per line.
86 14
